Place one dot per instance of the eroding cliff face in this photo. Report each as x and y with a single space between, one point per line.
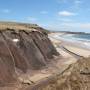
23 50
7 64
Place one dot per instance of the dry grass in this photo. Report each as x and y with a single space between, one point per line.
17 26
21 26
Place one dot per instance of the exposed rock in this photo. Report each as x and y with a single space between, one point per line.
21 51
44 44
7 64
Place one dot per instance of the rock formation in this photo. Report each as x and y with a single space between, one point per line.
23 50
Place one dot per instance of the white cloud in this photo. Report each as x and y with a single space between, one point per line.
66 13
43 12
69 26
85 25
5 11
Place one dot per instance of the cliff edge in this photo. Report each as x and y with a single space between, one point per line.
23 48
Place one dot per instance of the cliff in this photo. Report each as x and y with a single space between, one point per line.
23 49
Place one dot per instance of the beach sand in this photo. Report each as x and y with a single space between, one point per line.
72 46
61 63
57 66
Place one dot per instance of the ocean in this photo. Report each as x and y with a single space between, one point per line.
80 39
77 37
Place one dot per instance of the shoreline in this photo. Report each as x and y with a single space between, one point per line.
74 46
70 42
60 65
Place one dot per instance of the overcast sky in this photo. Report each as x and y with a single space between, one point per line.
72 15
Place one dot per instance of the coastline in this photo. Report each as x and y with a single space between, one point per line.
62 64
77 47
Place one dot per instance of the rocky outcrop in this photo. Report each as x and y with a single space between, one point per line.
23 50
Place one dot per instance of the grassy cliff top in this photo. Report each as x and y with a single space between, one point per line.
21 26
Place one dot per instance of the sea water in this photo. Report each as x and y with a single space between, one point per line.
80 39
83 39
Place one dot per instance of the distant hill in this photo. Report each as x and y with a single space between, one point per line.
70 32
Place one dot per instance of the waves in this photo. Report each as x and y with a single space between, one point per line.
76 39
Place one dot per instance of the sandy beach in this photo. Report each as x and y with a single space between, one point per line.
69 55
66 58
75 47
62 62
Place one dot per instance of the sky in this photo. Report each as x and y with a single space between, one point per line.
56 15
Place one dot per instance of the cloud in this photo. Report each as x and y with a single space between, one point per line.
85 25
69 26
5 11
76 24
66 13
43 12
